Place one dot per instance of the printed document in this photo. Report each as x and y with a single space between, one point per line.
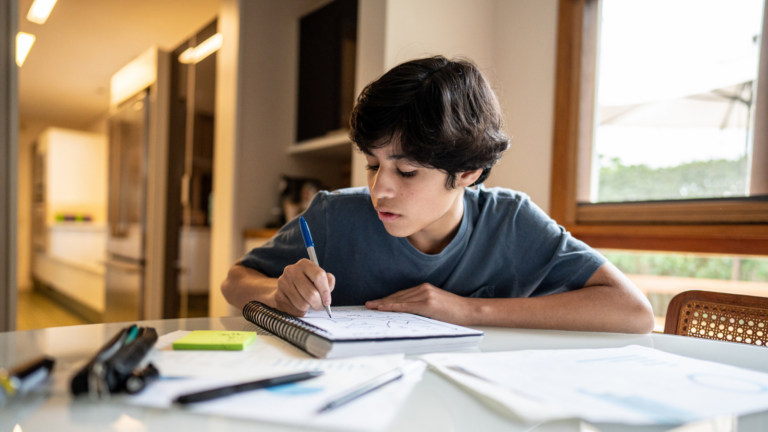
632 385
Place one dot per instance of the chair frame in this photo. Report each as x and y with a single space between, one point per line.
725 299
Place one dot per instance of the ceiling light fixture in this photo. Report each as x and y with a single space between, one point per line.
208 47
40 10
134 77
24 43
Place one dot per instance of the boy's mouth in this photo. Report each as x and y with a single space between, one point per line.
387 216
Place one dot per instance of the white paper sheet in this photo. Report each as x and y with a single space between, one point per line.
267 356
295 404
631 385
290 404
356 322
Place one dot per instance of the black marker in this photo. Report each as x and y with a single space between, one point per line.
19 380
239 388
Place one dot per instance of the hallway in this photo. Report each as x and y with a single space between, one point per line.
36 311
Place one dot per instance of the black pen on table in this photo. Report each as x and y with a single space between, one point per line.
239 388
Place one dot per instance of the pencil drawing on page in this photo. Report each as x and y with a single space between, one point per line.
361 322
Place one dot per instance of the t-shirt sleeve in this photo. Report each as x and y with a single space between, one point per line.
548 259
287 246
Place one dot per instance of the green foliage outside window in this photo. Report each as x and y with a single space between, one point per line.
701 179
659 264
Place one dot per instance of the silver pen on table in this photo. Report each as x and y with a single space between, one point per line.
311 251
369 386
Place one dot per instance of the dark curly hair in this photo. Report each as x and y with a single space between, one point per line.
442 113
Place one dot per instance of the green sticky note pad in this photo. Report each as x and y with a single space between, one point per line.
215 340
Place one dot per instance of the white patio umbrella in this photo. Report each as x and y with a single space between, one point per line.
728 107
694 65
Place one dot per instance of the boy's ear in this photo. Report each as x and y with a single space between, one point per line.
466 178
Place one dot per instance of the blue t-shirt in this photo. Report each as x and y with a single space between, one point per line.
506 247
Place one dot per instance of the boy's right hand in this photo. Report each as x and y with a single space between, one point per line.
302 286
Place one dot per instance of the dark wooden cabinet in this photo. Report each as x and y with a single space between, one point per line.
327 47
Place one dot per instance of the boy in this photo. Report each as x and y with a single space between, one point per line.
419 240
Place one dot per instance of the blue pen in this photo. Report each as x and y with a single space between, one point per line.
311 250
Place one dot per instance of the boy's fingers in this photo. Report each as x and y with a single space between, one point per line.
320 279
291 291
400 307
399 297
287 305
309 292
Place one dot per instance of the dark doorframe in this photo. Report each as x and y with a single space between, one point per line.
9 129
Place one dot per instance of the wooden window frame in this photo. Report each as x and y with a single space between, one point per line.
729 226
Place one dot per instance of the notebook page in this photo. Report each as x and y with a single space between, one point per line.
358 322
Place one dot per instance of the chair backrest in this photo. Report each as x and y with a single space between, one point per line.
719 316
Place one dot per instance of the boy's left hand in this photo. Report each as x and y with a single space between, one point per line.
426 300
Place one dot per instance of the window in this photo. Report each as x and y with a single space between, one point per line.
676 99
661 138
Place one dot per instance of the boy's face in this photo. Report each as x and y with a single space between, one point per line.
411 200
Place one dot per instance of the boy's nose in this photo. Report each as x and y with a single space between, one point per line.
382 187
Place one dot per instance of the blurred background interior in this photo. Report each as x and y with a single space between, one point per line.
160 140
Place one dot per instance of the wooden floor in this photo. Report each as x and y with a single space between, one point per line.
36 311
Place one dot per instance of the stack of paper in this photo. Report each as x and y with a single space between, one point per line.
631 385
191 371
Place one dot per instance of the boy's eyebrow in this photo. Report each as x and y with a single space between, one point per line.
398 156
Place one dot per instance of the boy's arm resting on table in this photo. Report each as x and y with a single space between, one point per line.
302 286
608 302
244 284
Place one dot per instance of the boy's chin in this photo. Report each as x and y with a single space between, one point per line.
397 231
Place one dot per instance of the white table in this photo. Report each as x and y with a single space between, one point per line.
435 404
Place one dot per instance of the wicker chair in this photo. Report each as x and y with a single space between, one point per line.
719 316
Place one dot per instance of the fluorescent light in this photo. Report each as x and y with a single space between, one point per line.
24 43
208 47
134 77
188 56
40 10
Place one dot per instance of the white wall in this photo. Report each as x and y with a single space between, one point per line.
525 54
421 28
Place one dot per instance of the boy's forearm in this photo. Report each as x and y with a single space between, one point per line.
595 308
244 284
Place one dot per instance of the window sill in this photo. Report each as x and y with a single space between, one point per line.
749 239
704 211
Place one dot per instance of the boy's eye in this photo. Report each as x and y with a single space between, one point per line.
370 167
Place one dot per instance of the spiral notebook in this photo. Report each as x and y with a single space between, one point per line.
356 331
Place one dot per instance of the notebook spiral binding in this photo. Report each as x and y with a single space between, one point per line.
281 324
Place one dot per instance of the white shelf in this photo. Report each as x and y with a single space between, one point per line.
335 144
